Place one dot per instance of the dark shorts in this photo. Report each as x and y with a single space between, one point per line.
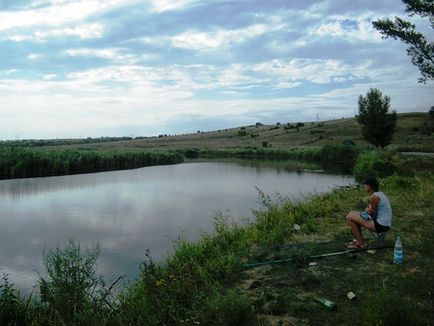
380 228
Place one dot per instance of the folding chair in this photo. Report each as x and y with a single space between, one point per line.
378 239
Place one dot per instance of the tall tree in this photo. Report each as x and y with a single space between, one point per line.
378 123
420 50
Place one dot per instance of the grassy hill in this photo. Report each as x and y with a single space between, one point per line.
415 132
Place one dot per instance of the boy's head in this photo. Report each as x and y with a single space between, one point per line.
373 182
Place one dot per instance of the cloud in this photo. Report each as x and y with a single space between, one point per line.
34 56
352 30
221 38
160 6
51 16
124 61
112 54
49 77
85 32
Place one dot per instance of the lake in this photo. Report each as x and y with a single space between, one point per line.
129 211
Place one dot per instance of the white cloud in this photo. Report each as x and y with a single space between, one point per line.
49 77
286 85
57 13
221 38
160 6
86 31
51 16
108 53
356 29
320 71
34 56
8 71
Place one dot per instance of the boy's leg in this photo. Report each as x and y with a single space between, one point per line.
355 221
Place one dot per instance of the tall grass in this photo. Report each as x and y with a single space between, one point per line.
310 154
20 162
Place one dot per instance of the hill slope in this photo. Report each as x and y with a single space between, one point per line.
415 132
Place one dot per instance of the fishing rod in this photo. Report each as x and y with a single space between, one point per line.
305 244
337 253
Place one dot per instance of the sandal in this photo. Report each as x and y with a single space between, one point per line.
355 245
351 242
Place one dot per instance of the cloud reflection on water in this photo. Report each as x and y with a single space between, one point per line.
127 212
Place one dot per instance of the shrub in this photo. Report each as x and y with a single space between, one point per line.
242 133
230 308
73 292
374 163
191 153
12 309
339 153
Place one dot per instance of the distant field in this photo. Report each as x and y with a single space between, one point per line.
415 133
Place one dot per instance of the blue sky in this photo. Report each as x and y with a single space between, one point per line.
91 68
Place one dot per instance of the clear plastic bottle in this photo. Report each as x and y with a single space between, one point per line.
398 252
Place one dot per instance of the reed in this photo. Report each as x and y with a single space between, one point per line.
23 162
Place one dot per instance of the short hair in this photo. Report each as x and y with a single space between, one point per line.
373 182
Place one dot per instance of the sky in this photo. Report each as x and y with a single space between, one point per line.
98 68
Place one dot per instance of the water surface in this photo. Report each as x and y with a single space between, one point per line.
130 211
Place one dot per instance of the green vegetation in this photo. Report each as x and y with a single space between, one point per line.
22 162
335 142
421 49
378 123
204 282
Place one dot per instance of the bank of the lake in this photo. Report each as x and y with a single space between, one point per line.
204 282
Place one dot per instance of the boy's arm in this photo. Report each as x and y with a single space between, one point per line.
373 205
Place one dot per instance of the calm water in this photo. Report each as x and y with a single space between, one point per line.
130 211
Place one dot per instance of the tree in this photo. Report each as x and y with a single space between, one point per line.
431 112
378 124
420 50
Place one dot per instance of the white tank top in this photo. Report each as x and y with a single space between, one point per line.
384 210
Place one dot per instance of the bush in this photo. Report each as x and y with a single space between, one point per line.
231 308
73 292
191 153
374 163
339 153
12 309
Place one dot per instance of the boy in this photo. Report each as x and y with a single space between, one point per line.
377 216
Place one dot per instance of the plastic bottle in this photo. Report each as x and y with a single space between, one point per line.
398 252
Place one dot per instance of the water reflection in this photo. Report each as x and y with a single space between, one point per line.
130 211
